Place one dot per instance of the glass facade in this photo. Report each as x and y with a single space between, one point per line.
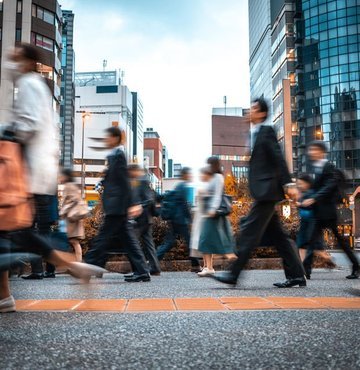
328 80
260 49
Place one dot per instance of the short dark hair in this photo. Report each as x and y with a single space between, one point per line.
185 171
319 144
263 105
134 167
306 178
31 53
215 164
68 173
114 132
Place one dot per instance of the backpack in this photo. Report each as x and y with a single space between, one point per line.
168 205
341 185
16 211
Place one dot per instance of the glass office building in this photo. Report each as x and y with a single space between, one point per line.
327 42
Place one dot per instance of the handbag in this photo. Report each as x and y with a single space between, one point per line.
16 207
78 212
225 207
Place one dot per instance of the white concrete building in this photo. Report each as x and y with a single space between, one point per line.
101 101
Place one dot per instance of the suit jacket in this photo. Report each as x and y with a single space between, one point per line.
117 195
182 211
144 195
326 193
268 171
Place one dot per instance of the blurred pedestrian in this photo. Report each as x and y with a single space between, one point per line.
119 207
326 187
145 196
33 125
268 178
72 198
216 235
178 208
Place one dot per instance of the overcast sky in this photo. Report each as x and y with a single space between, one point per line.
182 56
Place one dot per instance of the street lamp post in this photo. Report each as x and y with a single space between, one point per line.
84 116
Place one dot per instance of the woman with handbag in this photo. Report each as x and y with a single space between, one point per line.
216 235
72 211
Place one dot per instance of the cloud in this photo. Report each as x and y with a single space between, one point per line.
181 56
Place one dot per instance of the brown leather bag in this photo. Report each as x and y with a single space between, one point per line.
16 209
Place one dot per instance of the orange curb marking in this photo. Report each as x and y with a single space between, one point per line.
189 304
115 305
52 305
199 304
155 304
295 302
247 303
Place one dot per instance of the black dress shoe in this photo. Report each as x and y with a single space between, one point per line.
301 282
224 277
138 278
33 276
129 275
308 276
49 275
354 275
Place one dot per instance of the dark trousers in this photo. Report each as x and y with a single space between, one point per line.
42 224
117 229
262 217
344 244
176 230
145 234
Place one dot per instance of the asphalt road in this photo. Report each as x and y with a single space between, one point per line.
231 340
183 284
324 339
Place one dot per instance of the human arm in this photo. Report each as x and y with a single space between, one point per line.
275 153
215 201
27 108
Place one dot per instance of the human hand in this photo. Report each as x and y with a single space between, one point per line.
292 193
135 211
308 202
212 214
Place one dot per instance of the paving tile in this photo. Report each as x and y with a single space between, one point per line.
199 304
52 305
113 305
339 302
295 303
22 304
247 303
156 304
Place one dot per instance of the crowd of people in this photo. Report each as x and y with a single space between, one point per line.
130 205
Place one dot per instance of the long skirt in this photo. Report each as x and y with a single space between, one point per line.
216 236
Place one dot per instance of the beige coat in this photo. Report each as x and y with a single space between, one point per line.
72 195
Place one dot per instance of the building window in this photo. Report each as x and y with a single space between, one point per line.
42 41
0 33
43 14
1 5
19 6
240 171
18 34
149 153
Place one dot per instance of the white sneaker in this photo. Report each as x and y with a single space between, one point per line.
7 305
81 270
206 272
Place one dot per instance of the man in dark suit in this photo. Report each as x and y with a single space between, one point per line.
324 201
144 195
268 177
118 206
179 225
